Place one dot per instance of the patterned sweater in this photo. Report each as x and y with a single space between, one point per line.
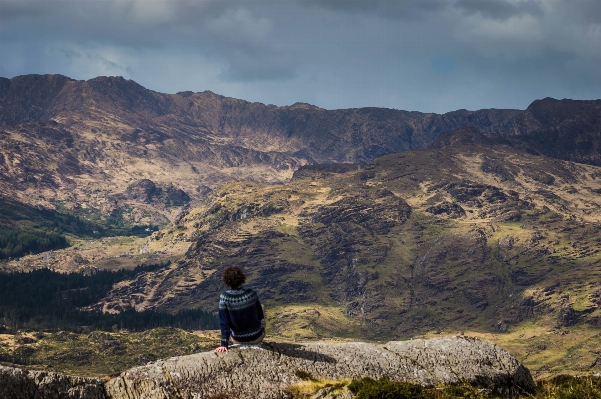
240 315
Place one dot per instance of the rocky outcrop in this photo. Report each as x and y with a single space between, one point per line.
268 371
21 384
564 129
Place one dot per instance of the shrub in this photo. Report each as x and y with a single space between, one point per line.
384 388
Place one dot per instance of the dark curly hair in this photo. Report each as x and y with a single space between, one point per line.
233 277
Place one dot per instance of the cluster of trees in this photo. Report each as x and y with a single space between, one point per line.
16 243
34 230
43 299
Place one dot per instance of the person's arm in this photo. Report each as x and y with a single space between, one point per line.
224 325
260 310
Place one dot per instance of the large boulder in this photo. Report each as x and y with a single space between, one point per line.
268 370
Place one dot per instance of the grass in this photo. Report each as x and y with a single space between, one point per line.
569 387
99 353
368 388
559 387
110 253
309 322
309 385
288 229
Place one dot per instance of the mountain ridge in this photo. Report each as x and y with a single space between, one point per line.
73 144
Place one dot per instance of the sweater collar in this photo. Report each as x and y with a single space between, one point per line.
237 291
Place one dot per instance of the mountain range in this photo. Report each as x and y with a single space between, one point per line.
363 222
108 146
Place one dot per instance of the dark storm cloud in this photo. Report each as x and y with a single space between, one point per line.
249 69
586 11
208 27
385 8
428 55
500 9
16 8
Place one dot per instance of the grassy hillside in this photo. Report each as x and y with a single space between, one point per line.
25 229
98 353
470 238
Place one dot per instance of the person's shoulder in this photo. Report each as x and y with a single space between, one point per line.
251 293
224 295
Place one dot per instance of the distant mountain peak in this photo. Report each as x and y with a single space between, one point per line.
301 105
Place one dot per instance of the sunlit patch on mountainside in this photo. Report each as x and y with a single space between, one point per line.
457 238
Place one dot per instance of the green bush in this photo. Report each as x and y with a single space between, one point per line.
465 391
384 388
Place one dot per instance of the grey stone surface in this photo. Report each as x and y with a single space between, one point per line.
16 384
267 371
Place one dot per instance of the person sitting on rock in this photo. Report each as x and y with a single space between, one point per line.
241 315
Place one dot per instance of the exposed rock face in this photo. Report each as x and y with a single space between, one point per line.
267 372
20 384
451 209
465 135
564 129
147 191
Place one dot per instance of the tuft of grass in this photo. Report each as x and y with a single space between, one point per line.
559 387
464 391
222 396
569 387
308 388
384 388
303 375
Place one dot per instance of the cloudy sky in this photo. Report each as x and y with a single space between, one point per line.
424 55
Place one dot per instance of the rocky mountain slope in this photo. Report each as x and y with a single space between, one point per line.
271 370
104 146
461 237
564 129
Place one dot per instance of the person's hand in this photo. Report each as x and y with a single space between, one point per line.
221 349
